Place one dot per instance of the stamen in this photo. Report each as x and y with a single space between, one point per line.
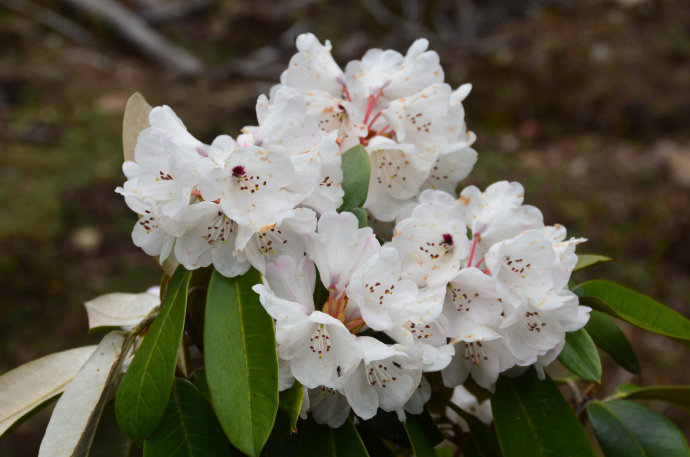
534 323
219 230
419 330
320 341
474 247
385 127
347 92
474 352
354 325
372 102
374 120
377 373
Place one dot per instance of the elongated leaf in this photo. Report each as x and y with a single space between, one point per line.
120 309
481 441
135 120
421 446
626 429
290 404
318 440
29 386
614 437
200 382
374 444
241 361
144 392
676 395
589 260
636 308
75 417
356 171
580 356
611 339
533 419
189 428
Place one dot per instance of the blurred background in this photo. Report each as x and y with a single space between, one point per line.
586 103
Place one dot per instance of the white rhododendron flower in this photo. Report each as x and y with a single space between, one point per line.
469 403
433 240
397 107
470 285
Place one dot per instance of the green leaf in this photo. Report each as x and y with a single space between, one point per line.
626 429
201 383
373 443
533 419
449 451
589 260
361 215
611 339
421 446
678 396
580 356
481 441
634 307
290 404
241 361
144 392
189 428
356 170
75 418
317 440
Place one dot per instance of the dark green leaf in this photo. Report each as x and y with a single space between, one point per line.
481 439
361 215
356 170
533 419
144 392
614 437
421 446
580 356
241 361
636 308
589 260
374 444
678 396
318 440
199 379
429 427
626 429
188 428
290 404
611 339
448 451
387 425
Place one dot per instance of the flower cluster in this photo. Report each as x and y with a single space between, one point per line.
473 285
